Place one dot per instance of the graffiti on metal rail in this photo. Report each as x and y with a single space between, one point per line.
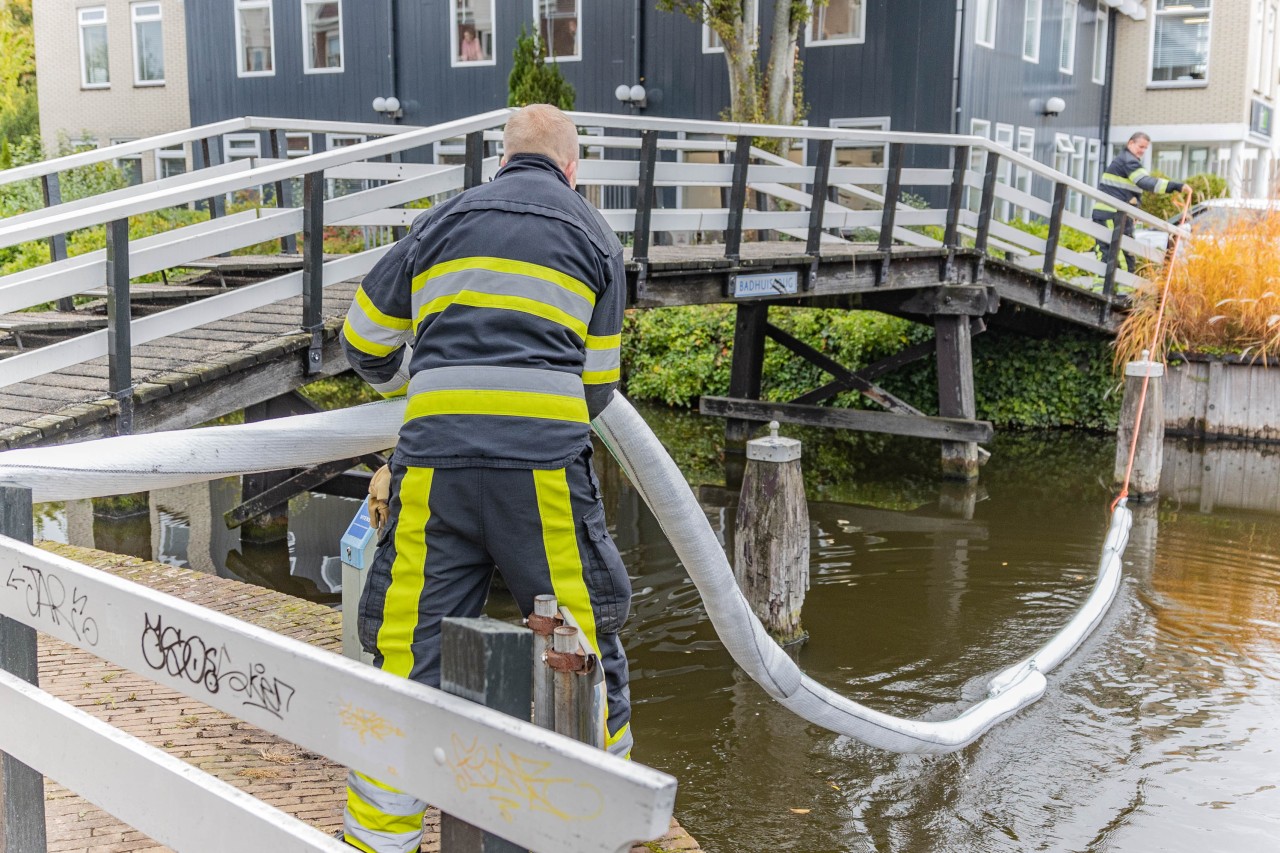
168 649
47 599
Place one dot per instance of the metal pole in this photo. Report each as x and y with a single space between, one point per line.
22 828
543 623
737 198
313 267
565 642
119 337
951 237
485 661
892 189
986 208
284 191
473 166
52 193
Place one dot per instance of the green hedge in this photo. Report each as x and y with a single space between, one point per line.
675 355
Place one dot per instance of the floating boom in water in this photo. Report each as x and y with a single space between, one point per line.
127 464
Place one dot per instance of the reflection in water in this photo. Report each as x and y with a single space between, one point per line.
1160 733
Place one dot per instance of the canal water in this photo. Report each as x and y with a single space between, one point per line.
1162 733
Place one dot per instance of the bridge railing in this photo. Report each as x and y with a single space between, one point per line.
949 193
500 774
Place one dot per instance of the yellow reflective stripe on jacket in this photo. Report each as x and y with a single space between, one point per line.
601 377
505 265
603 358
506 303
604 341
365 345
386 321
515 404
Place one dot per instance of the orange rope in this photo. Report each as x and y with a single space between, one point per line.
1185 206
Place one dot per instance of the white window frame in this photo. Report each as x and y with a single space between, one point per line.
289 152
1101 36
868 123
134 20
977 158
812 42
577 35
234 147
1156 14
1267 62
1068 36
176 152
985 25
1003 135
1075 200
707 33
1093 171
130 158
241 6
1038 5
84 67
1024 178
307 67
454 62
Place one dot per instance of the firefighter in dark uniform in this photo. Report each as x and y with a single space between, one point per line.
500 316
1124 180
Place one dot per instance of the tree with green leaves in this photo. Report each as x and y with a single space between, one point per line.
533 80
19 111
771 97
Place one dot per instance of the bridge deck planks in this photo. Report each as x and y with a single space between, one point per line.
78 395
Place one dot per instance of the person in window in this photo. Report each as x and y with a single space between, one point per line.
469 49
1124 180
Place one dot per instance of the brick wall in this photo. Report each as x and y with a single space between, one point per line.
123 110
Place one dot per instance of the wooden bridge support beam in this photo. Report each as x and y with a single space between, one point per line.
747 368
954 344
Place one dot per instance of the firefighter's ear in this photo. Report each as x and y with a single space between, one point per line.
571 172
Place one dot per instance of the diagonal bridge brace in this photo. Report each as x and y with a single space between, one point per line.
802 409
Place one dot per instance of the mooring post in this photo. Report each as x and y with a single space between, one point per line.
22 827
1148 456
485 661
543 622
771 543
953 340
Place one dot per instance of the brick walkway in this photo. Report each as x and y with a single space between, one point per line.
299 782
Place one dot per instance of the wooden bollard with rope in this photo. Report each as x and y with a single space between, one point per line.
771 544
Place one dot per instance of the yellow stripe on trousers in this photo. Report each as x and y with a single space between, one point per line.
560 539
408 574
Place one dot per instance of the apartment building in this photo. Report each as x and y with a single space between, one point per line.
1201 77
112 71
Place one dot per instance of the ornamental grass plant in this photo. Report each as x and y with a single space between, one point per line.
1224 295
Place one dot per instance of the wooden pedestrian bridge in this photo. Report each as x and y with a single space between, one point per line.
170 330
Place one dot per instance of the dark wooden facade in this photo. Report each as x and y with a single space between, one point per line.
912 70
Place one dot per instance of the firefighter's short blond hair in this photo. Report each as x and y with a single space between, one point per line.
541 129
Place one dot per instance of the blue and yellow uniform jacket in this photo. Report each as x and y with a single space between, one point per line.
1125 179
500 316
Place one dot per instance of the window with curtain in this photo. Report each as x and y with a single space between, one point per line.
255 39
1100 47
94 73
322 23
985 22
148 44
1067 43
558 22
472 32
1031 30
1180 44
838 22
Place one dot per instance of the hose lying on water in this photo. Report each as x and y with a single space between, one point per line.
127 464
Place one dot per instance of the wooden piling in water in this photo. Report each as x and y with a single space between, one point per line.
1148 458
771 546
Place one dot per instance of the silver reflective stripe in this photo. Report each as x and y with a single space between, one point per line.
503 284
622 747
602 359
487 378
371 331
401 378
389 803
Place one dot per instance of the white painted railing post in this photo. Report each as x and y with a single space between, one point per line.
22 827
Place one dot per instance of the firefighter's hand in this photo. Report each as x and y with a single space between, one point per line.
380 497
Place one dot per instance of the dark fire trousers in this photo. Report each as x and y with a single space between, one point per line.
544 530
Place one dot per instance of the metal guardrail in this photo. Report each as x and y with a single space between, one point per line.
497 773
821 204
